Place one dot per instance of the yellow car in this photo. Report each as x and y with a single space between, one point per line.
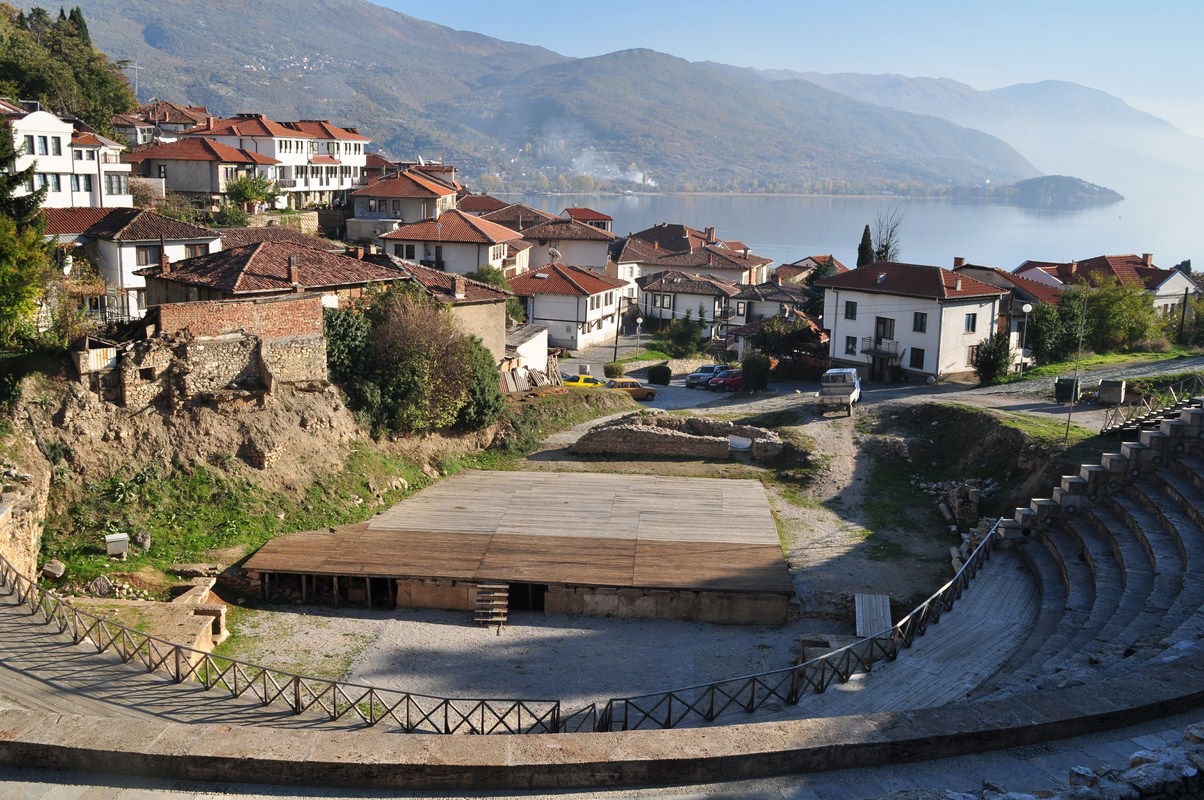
588 381
633 387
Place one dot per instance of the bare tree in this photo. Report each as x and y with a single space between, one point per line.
887 239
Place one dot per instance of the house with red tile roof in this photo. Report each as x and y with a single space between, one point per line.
626 257
265 269
479 203
690 249
908 321
566 241
314 160
1167 287
456 242
517 216
589 216
1022 292
579 307
120 241
802 269
399 198
158 119
672 294
198 168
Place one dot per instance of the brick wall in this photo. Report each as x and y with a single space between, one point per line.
269 318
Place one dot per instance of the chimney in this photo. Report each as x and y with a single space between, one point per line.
958 261
164 263
459 287
1147 259
1073 267
957 285
775 278
710 235
293 276
209 122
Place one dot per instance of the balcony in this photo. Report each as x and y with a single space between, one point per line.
879 348
286 183
432 263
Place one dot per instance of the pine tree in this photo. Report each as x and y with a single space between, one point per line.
76 16
865 250
23 209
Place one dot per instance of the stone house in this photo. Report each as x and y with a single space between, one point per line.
579 307
913 321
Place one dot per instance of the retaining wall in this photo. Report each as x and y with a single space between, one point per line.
722 607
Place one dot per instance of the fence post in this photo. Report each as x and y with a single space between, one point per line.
296 692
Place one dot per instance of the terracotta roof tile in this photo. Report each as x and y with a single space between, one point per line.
171 113
563 279
404 184
249 125
121 224
582 214
479 203
631 250
565 229
240 237
910 280
674 237
772 292
678 282
324 129
263 268
518 215
710 256
454 226
1041 292
197 149
796 268
1129 269
441 285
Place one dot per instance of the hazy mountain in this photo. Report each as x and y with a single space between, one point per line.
423 88
1059 126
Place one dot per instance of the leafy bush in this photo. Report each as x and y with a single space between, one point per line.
993 358
660 374
229 216
485 401
684 337
756 372
614 370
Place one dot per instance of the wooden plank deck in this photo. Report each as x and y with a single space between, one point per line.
583 529
872 612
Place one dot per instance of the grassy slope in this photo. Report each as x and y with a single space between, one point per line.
196 509
1098 361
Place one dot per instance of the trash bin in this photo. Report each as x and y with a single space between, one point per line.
1066 390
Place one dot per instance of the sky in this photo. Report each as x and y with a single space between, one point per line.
1148 52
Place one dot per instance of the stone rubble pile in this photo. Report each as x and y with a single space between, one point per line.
667 436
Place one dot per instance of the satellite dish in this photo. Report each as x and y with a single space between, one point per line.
553 254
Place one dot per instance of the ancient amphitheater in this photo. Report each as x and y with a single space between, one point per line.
1083 613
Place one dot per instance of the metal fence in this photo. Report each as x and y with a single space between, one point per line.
416 713
1149 406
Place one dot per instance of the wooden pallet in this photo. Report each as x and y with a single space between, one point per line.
493 602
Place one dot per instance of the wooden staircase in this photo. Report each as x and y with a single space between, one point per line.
493 600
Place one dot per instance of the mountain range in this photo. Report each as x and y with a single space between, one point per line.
493 106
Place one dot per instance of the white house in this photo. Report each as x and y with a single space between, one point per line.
456 242
579 307
589 216
719 260
119 241
528 345
1167 287
397 199
77 167
755 303
1021 292
564 240
315 161
672 294
907 320
628 254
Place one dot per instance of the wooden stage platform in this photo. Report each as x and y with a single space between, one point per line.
568 529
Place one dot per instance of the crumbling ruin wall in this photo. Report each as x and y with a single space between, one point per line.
22 509
675 437
230 361
295 359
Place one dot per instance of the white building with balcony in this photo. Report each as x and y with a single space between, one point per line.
77 167
579 307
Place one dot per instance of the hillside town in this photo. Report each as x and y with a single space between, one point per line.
316 456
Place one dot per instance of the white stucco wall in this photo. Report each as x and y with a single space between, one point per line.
590 254
571 322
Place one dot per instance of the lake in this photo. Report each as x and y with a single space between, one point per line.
1168 224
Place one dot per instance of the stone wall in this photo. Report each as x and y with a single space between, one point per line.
296 359
668 436
304 221
722 607
434 593
22 510
220 362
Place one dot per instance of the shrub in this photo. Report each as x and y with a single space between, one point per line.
496 277
660 374
993 357
756 372
229 216
1155 345
684 337
614 370
485 402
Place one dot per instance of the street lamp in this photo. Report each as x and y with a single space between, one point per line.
1027 308
638 322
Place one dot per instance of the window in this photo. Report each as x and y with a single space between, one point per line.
438 252
78 155
919 324
371 203
56 183
116 183
850 345
146 255
193 250
661 300
741 308
971 352
41 178
28 146
89 155
42 146
884 328
409 252
163 171
56 146
396 206
917 358
75 183
850 309
87 182
971 323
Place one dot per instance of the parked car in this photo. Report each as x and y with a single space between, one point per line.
839 388
633 387
703 375
730 380
588 381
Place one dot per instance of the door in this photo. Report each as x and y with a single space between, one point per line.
884 329
878 369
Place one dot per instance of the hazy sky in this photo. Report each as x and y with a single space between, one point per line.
1149 52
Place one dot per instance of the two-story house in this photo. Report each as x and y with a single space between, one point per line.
397 199
802 269
77 167
517 216
909 321
120 241
627 255
736 266
198 168
589 216
1167 287
579 307
1022 292
672 294
753 303
456 242
565 241
158 119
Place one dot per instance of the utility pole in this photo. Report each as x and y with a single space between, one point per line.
134 66
1183 316
1074 397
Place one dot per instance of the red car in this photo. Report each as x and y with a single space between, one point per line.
730 380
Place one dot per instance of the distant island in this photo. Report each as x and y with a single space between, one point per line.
1055 192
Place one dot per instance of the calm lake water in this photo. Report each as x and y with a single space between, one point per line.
1168 224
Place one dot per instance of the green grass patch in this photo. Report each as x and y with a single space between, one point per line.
644 355
1091 361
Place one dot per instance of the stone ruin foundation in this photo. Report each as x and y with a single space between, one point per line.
668 436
